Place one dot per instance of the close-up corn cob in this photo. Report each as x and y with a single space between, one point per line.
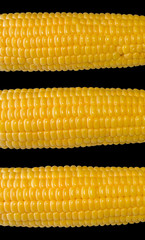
70 41
71 117
71 196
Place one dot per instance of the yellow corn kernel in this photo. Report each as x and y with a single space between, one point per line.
71 196
70 41
71 117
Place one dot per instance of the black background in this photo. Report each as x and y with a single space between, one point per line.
126 155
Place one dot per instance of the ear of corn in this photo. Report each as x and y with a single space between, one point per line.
71 117
70 41
71 196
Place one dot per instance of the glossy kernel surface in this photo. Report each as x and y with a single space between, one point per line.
70 41
71 196
71 117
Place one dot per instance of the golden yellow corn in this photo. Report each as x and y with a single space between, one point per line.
71 196
70 41
71 117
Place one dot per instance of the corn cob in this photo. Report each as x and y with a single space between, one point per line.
71 196
71 117
70 41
